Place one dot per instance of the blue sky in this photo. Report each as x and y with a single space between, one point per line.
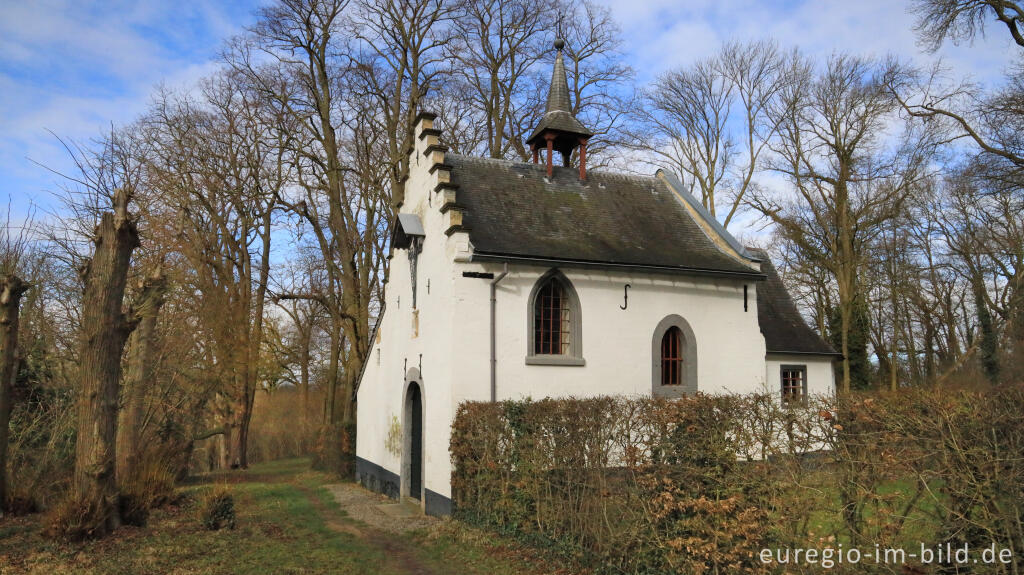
76 67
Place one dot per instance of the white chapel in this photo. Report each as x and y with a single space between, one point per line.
511 280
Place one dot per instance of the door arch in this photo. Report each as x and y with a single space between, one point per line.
412 484
415 402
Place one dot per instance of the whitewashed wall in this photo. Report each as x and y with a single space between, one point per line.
820 375
617 344
400 345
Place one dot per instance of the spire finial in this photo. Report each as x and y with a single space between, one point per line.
559 44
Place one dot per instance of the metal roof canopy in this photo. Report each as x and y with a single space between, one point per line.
407 227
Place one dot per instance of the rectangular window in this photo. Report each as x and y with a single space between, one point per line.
794 385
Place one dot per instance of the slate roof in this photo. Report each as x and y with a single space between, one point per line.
512 210
784 329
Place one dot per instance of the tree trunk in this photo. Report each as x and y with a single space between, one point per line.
11 288
989 339
140 376
333 373
255 344
239 413
304 359
105 329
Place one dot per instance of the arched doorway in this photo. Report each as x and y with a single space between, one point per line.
414 440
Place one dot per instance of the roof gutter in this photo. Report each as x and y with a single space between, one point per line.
835 354
479 256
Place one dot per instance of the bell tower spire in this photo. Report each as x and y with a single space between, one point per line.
558 129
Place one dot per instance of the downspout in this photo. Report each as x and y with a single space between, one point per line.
494 348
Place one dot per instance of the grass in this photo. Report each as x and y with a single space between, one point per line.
287 523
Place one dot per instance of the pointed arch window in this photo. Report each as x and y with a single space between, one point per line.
554 322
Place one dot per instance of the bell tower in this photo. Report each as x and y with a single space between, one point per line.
558 129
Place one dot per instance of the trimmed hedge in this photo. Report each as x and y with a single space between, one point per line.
703 484
629 484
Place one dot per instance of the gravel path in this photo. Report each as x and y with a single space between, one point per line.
378 511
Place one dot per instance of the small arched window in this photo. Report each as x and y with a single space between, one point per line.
554 336
672 357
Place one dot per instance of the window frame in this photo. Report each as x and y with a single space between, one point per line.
574 357
688 385
676 353
802 369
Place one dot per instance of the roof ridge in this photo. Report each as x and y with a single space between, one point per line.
540 167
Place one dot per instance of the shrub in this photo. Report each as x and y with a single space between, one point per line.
76 520
335 450
282 426
218 510
149 485
631 485
702 484
42 449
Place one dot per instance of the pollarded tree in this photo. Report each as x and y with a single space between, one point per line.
141 370
12 287
105 329
99 235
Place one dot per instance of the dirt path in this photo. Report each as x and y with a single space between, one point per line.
378 511
364 519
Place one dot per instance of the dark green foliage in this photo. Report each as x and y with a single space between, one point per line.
857 344
989 344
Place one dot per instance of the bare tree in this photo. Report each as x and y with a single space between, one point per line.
141 369
991 120
690 117
498 44
12 287
962 20
598 78
341 164
403 61
830 149
221 168
501 56
105 329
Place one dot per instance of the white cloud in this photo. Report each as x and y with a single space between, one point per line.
664 34
76 68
